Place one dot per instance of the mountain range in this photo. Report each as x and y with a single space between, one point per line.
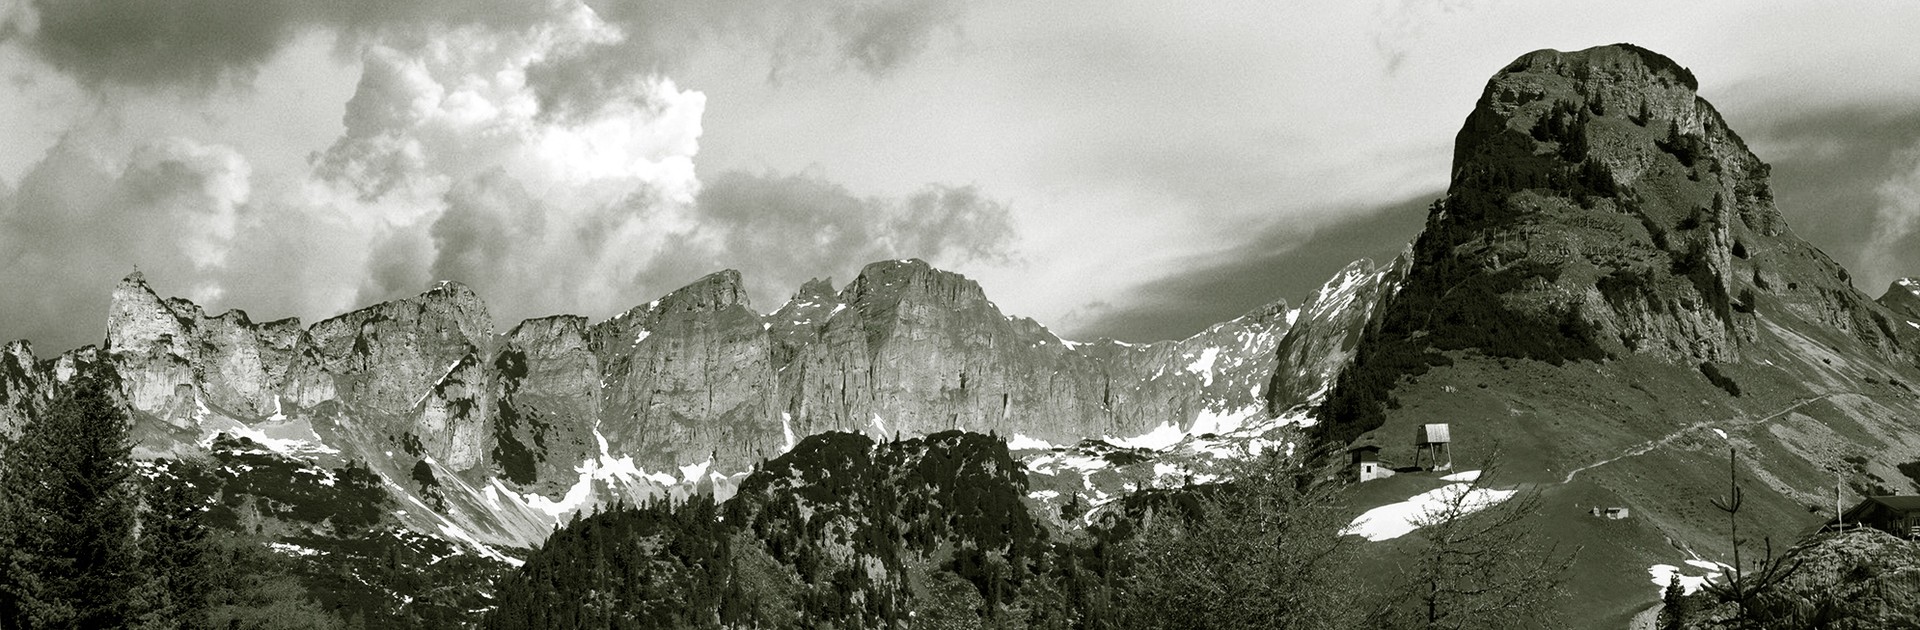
1604 302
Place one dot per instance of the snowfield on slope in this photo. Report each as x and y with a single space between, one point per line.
1394 520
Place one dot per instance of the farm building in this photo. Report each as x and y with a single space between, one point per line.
1897 515
1366 461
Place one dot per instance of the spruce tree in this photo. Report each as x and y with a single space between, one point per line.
67 529
175 550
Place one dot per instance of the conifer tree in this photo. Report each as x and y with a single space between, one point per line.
66 533
175 549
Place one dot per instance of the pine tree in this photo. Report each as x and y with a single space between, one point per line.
175 549
1673 612
67 528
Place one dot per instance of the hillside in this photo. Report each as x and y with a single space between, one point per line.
1607 301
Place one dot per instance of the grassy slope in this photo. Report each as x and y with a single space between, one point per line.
1545 421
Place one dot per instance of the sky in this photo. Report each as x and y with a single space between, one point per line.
1109 167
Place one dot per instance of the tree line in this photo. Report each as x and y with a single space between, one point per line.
89 539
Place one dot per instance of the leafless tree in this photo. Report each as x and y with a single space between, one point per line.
1481 563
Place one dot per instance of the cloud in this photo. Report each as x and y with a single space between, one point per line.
201 45
78 221
1401 24
1275 261
1890 253
781 230
875 36
198 43
445 167
1844 178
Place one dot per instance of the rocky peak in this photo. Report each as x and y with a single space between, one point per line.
717 290
1903 297
1601 200
893 293
799 322
389 354
1600 208
139 321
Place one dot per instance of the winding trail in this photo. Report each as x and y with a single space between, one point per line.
1643 448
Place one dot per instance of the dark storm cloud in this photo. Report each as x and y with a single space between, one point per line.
1835 177
160 42
201 44
1278 261
795 227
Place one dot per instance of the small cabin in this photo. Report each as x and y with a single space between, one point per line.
1610 513
1897 515
1435 442
1366 462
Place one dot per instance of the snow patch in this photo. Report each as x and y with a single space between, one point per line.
1160 438
1204 366
693 472
1469 475
1664 575
1722 434
1024 443
287 437
1223 422
293 550
1394 520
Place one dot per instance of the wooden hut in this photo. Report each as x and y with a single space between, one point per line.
1434 441
1897 515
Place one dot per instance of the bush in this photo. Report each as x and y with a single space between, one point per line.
1719 380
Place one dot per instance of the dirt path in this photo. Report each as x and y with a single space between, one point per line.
1643 448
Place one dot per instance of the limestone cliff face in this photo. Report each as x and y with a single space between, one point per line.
910 349
151 345
415 367
1328 330
386 356
23 382
694 377
548 386
689 377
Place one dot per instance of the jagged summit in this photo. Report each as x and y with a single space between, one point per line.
1903 297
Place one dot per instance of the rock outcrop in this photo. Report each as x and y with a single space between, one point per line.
1600 208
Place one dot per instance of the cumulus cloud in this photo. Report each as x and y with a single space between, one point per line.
448 166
